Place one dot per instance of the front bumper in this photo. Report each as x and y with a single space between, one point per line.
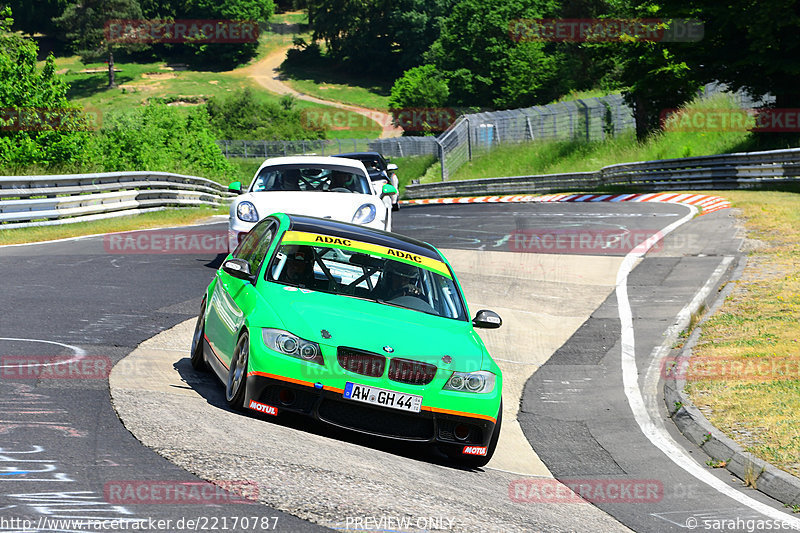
326 404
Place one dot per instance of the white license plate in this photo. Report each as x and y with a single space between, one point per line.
383 397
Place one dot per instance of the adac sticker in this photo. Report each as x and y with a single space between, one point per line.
302 237
474 450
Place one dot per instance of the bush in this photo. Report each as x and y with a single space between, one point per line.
241 117
160 138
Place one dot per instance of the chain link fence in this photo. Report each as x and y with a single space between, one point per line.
586 119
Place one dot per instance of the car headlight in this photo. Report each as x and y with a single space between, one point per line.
289 344
247 211
481 382
364 214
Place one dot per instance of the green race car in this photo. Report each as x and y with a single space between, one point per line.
356 327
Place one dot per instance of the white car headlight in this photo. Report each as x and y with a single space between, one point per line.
364 214
478 382
247 211
285 342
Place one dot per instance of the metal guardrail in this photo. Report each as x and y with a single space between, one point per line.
63 199
727 171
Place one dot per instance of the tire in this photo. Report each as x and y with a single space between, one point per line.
477 461
237 375
197 358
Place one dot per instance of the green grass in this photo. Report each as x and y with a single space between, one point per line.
155 219
548 157
333 84
412 167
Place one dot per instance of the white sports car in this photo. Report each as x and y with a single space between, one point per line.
324 187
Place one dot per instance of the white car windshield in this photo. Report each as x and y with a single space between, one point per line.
311 178
370 277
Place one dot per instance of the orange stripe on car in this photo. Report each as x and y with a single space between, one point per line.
458 413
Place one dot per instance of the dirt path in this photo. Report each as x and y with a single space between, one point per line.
267 74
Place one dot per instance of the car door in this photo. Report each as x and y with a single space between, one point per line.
232 298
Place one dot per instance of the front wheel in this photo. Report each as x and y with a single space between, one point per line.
454 452
197 358
237 375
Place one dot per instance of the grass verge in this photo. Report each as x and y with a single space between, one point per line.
155 219
748 356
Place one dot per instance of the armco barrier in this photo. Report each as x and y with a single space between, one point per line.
728 171
45 200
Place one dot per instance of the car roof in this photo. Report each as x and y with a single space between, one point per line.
313 160
363 234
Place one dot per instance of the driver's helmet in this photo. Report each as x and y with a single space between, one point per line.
299 263
339 179
402 270
397 274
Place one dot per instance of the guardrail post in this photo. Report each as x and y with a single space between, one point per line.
586 118
469 139
441 159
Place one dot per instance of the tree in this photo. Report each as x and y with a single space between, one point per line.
485 66
227 54
38 125
85 26
386 36
653 77
747 45
36 16
422 86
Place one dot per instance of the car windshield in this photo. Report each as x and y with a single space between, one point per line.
356 270
311 178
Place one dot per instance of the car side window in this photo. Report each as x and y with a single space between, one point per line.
255 244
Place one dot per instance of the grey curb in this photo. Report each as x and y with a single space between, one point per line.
762 476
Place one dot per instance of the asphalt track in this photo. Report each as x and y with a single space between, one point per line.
62 446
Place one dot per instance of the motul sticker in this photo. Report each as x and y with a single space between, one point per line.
474 450
269 410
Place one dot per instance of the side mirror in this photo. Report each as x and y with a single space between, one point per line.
238 268
487 319
236 187
391 167
388 189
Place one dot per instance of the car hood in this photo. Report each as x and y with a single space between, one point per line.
371 326
336 205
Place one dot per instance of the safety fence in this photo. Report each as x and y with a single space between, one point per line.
727 171
47 200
